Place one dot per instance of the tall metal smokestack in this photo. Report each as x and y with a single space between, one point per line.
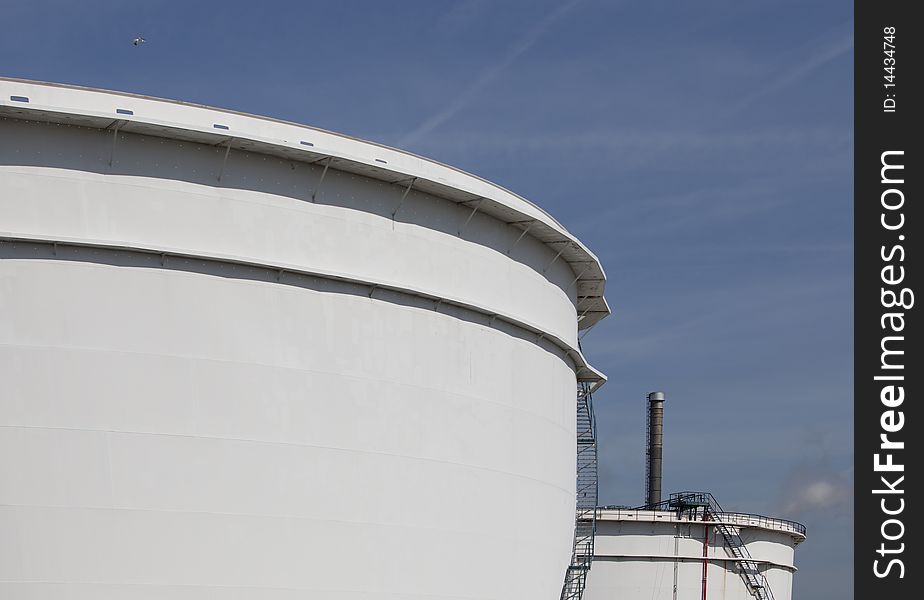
655 446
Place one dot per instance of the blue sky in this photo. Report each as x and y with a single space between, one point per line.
702 150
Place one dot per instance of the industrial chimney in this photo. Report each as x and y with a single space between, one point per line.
655 446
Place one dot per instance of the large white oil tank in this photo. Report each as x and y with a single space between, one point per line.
244 358
671 555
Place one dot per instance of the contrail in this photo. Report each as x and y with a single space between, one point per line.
787 79
487 76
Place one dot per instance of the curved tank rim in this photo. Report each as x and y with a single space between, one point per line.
746 520
512 208
231 111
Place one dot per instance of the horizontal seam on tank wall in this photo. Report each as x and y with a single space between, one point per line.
272 267
573 354
353 376
694 559
277 517
221 193
293 445
376 593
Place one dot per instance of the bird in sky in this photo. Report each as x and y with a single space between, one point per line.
138 41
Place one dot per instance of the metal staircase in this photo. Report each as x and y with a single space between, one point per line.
585 520
748 568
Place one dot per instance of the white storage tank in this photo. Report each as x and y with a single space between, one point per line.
244 358
677 555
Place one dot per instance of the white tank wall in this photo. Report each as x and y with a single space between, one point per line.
177 428
636 557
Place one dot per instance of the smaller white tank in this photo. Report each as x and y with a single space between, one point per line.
667 554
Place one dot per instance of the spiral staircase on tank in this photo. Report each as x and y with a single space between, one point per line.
585 520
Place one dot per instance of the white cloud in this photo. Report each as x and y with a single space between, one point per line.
817 487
